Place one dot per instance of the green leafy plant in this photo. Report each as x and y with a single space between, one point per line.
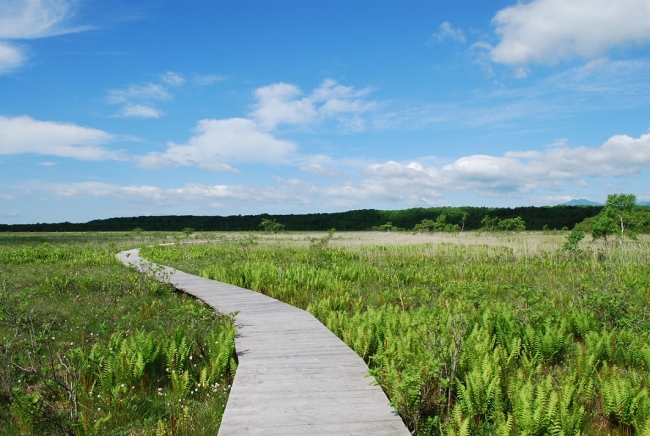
573 240
500 333
271 226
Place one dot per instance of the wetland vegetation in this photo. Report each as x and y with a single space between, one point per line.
468 333
91 347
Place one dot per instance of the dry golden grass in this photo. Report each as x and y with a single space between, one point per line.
521 243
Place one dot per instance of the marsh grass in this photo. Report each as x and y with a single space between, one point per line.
91 347
467 333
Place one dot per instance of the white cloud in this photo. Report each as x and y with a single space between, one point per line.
518 172
140 111
218 142
277 104
188 193
321 170
11 57
209 79
537 175
148 92
217 167
46 164
137 100
338 99
447 31
23 134
30 19
562 142
281 103
551 200
172 79
331 90
549 31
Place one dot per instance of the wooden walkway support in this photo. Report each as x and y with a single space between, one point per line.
295 377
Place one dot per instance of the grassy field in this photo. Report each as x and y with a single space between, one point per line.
91 347
471 333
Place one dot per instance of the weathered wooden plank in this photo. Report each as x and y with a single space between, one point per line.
295 377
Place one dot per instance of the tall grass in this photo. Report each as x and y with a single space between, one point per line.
472 333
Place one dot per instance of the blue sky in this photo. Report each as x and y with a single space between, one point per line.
294 106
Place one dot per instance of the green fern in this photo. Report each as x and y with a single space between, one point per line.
624 400
479 396
534 405
180 383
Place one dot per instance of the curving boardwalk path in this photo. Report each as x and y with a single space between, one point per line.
295 377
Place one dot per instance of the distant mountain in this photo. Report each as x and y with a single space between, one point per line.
643 203
581 202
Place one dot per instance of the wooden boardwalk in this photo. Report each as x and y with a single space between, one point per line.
295 377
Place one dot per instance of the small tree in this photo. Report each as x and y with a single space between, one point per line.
463 219
573 240
388 227
603 227
618 217
620 207
425 225
440 225
188 231
512 224
489 223
271 226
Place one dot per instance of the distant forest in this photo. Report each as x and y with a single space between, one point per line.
536 218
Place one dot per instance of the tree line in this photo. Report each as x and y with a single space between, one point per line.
466 218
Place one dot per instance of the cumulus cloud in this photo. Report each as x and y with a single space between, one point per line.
283 103
217 143
278 103
517 172
549 31
447 32
25 135
30 19
539 175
